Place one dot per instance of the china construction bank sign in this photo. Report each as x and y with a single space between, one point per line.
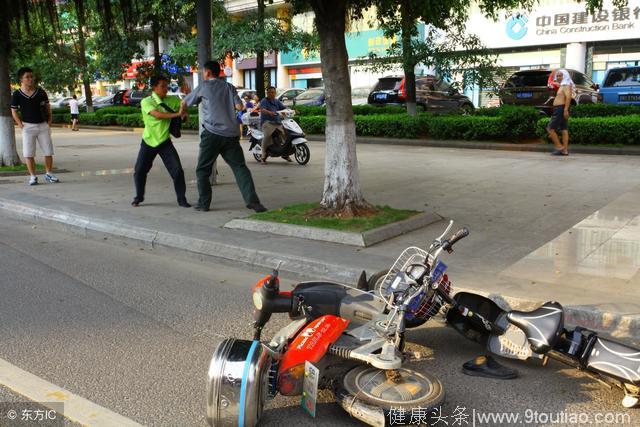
557 22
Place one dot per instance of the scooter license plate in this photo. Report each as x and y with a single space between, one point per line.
310 388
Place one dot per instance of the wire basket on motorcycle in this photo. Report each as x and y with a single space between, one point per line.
412 269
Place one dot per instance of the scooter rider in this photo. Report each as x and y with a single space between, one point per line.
270 120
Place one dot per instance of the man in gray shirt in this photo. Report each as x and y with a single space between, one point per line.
220 135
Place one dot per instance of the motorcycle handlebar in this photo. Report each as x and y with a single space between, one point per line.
460 234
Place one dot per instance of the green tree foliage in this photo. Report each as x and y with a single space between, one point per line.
169 19
243 35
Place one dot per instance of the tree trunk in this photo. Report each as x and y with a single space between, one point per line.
8 152
342 193
260 54
155 35
204 54
86 78
408 63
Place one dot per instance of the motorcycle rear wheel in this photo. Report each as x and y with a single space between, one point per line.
302 154
368 394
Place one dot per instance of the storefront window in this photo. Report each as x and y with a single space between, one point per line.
250 78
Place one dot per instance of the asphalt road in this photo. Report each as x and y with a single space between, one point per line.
133 331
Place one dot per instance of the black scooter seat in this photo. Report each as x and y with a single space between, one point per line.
542 326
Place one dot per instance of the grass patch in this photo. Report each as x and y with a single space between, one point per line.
299 214
19 168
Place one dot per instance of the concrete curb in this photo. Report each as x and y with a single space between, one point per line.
615 324
364 239
26 173
151 238
472 145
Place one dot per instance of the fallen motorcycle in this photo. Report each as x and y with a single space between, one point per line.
353 346
537 334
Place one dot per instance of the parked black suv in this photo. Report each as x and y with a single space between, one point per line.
388 91
437 96
432 94
536 88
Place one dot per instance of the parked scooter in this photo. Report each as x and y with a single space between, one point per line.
537 334
358 351
294 141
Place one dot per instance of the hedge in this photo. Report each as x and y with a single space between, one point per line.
403 126
603 110
520 121
358 110
599 130
468 128
121 109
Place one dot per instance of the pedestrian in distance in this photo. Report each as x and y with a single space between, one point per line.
220 135
32 113
75 112
248 105
560 115
157 111
271 121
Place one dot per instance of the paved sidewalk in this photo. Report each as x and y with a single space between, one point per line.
531 146
515 204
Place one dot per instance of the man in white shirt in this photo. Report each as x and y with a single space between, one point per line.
73 105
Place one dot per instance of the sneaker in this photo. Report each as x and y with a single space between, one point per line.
33 180
201 208
257 207
48 177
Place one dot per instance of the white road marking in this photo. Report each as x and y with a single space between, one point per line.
76 408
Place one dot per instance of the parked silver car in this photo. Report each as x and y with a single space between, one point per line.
286 96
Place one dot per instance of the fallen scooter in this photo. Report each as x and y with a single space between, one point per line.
537 334
353 347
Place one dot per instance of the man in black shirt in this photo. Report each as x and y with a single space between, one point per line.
34 120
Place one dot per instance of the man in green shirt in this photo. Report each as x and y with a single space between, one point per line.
156 140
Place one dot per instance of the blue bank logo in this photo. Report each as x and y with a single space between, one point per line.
517 27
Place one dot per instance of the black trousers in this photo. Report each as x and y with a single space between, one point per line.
171 160
212 145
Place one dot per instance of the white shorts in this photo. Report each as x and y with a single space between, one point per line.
39 132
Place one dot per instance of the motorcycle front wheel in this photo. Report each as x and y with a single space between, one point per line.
302 154
375 393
